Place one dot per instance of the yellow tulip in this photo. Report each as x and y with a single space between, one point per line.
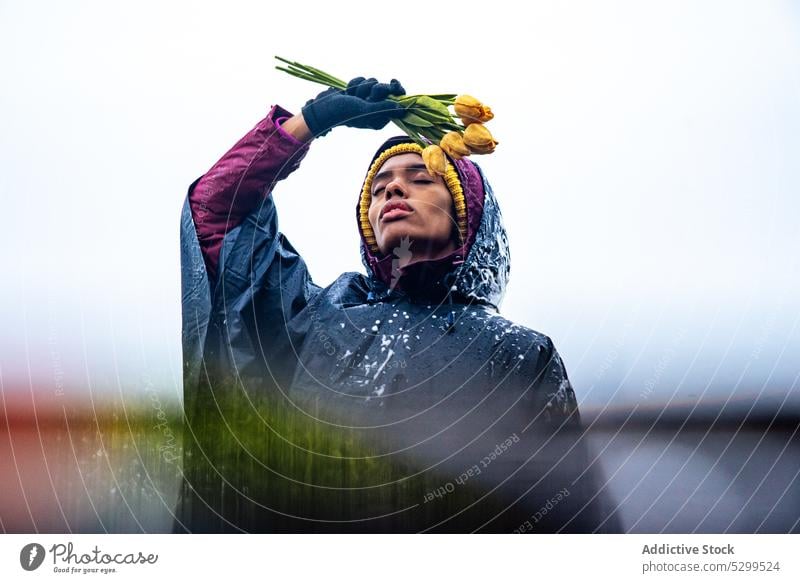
478 139
453 145
470 110
434 159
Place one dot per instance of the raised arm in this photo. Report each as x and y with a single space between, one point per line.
272 150
229 228
246 173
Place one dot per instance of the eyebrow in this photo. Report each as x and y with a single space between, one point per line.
407 169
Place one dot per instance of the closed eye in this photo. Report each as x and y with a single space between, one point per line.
377 191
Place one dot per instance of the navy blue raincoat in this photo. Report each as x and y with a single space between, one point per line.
404 408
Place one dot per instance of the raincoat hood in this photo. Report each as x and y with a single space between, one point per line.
478 271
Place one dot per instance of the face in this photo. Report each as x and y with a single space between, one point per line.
409 202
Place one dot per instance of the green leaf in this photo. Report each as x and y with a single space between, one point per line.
432 116
413 119
434 134
429 102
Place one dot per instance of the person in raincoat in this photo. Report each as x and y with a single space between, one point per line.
398 400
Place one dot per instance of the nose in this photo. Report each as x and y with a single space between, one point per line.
395 188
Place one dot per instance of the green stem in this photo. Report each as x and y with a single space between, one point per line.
338 83
322 76
434 134
300 74
431 115
411 133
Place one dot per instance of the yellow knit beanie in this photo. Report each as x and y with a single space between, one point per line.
451 179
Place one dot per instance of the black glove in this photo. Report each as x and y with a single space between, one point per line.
363 104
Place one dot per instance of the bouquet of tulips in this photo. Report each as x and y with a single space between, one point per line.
427 117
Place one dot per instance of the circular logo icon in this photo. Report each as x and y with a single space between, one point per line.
31 556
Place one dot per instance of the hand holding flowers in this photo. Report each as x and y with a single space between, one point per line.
428 118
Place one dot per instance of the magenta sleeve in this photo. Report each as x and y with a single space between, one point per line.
237 183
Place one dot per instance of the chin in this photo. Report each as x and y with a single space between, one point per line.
390 244
393 238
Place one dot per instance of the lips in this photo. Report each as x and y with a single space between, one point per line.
394 210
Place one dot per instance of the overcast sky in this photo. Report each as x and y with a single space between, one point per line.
647 171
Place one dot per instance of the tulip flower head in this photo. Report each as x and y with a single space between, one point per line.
453 145
478 139
470 110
